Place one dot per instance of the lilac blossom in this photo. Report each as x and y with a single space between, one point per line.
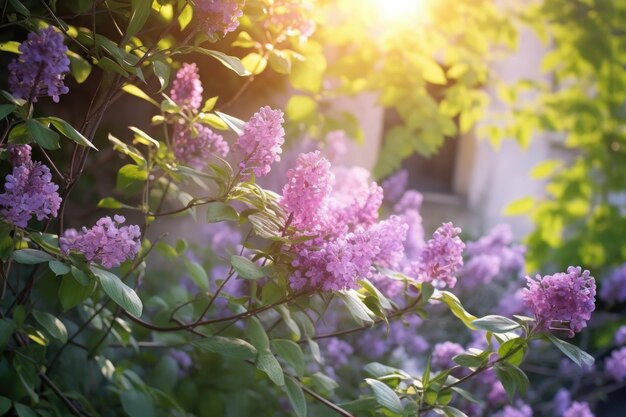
512 303
497 394
187 88
19 154
40 68
578 409
562 401
615 365
335 147
415 234
29 191
292 17
194 146
395 185
518 410
404 334
388 237
306 193
107 242
620 336
443 354
411 199
356 199
261 140
219 16
613 289
565 300
338 352
183 360
441 258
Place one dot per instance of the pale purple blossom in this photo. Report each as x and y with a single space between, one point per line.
578 409
306 193
292 17
356 199
29 191
411 199
219 16
338 352
261 140
620 336
415 235
564 300
518 410
615 365
388 236
187 88
19 154
613 289
443 353
441 258
561 401
194 146
336 146
512 303
497 394
395 185
40 68
107 242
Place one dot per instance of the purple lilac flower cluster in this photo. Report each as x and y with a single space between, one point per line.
29 191
335 146
106 242
492 257
219 16
40 68
578 409
441 257
620 336
613 288
342 212
261 141
563 299
518 410
615 365
443 354
395 185
19 154
187 88
194 146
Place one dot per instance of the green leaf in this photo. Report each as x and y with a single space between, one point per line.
137 404
385 396
512 379
545 169
198 274
469 361
359 311
59 268
6 330
466 394
162 71
296 397
110 202
72 293
140 13
453 412
301 108
134 153
69 132
138 92
43 135
247 269
129 174
227 346
31 256
254 63
579 356
519 207
267 363
496 324
280 61
230 62
6 109
21 9
258 336
52 325
362 404
432 72
244 40
186 14
80 68
120 293
209 104
291 353
456 307
235 124
10 46
24 411
219 212
144 138
516 348
5 404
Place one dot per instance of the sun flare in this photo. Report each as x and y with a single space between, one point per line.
399 9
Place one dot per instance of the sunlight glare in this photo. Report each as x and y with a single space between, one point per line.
399 9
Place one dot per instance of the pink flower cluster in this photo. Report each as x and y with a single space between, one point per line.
187 88
395 185
261 141
194 146
106 242
441 257
40 68
292 17
19 154
28 190
563 300
615 365
219 16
